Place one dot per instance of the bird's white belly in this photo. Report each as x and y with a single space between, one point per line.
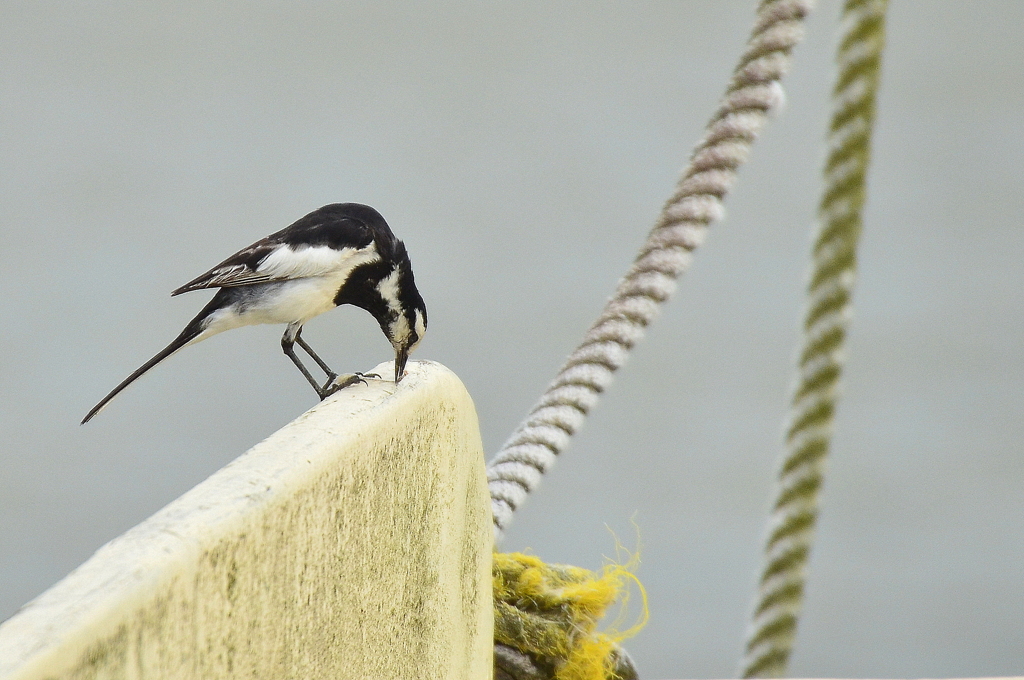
294 301
290 301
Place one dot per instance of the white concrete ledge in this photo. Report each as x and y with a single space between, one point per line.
355 542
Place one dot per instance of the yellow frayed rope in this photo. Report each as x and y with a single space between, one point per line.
551 612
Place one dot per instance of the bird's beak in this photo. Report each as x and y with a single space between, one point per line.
401 357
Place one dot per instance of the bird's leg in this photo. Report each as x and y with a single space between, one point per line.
331 375
292 336
288 345
309 350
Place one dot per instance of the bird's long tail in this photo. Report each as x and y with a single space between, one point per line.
192 331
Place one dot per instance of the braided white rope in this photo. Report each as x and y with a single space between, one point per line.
772 629
753 93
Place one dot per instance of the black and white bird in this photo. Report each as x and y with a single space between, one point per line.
343 253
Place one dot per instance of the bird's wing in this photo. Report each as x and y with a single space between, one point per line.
318 244
240 269
291 262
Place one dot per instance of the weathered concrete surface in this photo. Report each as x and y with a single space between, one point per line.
353 543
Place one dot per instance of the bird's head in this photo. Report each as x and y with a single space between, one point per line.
406 322
386 288
405 341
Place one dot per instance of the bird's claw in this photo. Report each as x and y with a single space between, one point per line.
339 382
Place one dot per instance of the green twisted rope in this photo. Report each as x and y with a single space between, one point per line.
791 525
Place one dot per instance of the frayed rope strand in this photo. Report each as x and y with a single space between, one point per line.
550 614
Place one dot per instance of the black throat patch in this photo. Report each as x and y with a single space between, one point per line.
360 289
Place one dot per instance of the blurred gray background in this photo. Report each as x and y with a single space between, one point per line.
522 150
